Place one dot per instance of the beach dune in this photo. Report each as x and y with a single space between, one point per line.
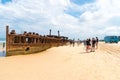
64 63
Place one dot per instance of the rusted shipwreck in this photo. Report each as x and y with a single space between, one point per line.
31 42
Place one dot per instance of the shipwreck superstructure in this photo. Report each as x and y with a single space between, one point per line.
31 42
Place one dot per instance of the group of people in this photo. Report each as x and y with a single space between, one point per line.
91 45
73 42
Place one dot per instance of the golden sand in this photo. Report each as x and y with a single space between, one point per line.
64 63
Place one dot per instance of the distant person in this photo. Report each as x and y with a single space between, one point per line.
73 42
3 44
93 45
84 42
97 42
70 42
78 42
89 41
88 45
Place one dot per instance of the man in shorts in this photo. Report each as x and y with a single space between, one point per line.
93 45
97 42
88 45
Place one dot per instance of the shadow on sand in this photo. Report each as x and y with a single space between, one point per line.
83 52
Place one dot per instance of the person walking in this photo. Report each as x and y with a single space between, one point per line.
70 42
73 42
97 42
88 45
93 45
78 42
3 44
84 42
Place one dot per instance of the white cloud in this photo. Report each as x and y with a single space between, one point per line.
41 15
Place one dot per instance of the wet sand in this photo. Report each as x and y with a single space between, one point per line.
64 63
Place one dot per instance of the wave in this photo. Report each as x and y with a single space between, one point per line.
2 40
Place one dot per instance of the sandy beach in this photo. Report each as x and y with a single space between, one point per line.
64 63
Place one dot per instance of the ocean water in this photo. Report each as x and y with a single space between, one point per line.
2 50
2 39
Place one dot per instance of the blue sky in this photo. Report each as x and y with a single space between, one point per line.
82 2
5 1
74 18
